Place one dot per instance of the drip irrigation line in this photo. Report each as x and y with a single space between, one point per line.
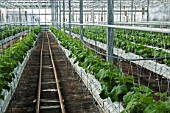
123 59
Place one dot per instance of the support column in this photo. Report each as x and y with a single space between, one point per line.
132 10
73 14
7 17
81 19
32 17
20 16
92 14
64 15
60 14
148 10
0 15
26 16
120 11
5 14
135 14
45 15
39 12
69 17
110 21
14 20
52 11
102 15
56 13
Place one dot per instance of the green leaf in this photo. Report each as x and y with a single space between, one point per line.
104 93
163 96
117 93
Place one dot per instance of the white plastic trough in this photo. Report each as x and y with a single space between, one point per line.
94 87
13 85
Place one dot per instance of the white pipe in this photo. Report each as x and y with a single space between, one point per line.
159 30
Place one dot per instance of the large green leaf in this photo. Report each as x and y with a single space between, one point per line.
117 93
105 92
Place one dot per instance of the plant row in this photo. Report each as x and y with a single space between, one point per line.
11 59
139 37
135 98
154 39
12 30
99 34
36 30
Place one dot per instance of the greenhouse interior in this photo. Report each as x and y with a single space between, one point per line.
85 56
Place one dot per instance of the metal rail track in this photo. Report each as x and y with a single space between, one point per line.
48 83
